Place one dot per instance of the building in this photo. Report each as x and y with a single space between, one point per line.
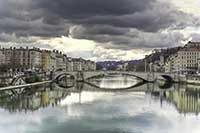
122 67
192 45
52 60
20 59
187 60
16 59
2 57
86 65
78 64
35 59
92 65
23 59
46 60
69 64
170 63
8 55
60 60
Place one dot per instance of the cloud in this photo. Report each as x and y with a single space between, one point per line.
152 16
112 24
44 17
76 9
128 39
12 40
102 54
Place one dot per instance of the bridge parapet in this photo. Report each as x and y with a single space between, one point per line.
82 75
146 76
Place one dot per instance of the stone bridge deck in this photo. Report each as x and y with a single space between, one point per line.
81 76
88 74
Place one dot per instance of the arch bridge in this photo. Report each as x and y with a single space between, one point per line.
85 75
149 77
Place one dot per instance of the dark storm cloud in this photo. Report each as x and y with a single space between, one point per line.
76 9
32 28
123 24
128 38
146 15
93 30
24 18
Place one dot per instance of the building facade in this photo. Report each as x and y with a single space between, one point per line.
170 65
187 60
60 60
35 59
23 59
2 57
69 64
46 60
78 64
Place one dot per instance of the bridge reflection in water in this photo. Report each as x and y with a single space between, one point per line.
114 81
185 98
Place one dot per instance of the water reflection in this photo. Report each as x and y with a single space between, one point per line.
83 108
32 101
113 81
186 98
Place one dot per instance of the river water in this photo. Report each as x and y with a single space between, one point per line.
88 109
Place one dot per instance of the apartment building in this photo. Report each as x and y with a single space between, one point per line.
35 59
2 57
22 59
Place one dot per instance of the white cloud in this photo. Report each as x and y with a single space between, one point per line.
68 44
189 6
100 53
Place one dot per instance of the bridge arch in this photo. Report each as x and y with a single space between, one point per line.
114 73
116 89
18 80
167 78
63 74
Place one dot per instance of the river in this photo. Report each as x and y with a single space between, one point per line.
86 109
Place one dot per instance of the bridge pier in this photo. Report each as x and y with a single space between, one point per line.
80 76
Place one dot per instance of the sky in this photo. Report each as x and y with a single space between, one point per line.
99 29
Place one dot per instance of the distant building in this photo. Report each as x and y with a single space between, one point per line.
78 64
86 65
170 63
20 59
187 59
8 55
69 64
60 61
52 60
2 57
16 59
47 61
35 60
123 67
89 65
192 45
92 66
23 59
162 60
